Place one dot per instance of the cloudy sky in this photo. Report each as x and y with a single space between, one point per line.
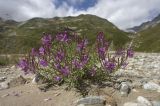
123 13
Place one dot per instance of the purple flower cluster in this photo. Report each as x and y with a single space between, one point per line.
65 70
60 55
43 63
81 45
67 57
130 53
47 40
109 65
62 37
102 52
41 50
79 64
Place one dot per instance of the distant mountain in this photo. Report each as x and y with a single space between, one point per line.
148 36
146 25
19 37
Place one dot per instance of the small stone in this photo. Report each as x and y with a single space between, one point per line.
4 85
124 90
143 100
130 104
2 79
57 94
16 94
151 86
134 90
156 103
3 96
92 100
81 105
47 99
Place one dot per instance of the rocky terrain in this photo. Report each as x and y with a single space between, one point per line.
139 86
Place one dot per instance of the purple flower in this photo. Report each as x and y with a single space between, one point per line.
57 78
100 37
43 63
130 53
57 66
109 65
101 52
120 52
63 37
82 45
41 51
60 56
85 59
33 52
46 40
77 64
24 65
65 71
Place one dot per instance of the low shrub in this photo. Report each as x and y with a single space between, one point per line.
67 58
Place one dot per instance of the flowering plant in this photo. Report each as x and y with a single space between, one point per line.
68 58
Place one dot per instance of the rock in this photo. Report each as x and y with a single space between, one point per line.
124 89
81 105
144 101
38 80
130 104
2 79
156 103
47 99
151 86
4 85
92 100
3 96
17 81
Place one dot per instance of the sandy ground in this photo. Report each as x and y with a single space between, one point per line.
30 95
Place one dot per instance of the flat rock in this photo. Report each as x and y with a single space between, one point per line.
143 100
151 86
130 104
2 79
124 89
4 85
156 103
92 100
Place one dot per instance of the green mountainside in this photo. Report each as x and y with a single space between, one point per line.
147 38
19 37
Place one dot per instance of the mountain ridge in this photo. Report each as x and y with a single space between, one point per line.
19 37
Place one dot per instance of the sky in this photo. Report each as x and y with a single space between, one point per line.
123 13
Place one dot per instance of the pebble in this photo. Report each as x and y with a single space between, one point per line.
92 100
130 104
2 79
47 99
4 85
151 86
5 95
143 100
124 90
156 103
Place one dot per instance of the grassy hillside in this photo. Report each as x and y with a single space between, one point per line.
148 40
20 37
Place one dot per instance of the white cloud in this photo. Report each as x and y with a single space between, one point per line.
123 13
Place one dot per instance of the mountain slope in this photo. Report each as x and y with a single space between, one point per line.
146 25
24 35
148 40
